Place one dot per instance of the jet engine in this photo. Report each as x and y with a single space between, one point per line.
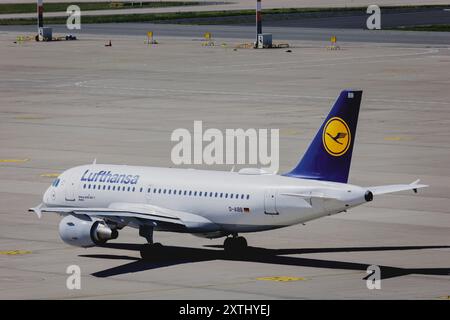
84 232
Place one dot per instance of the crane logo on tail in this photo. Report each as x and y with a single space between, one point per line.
336 137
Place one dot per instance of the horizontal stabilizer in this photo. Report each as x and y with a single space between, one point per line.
397 187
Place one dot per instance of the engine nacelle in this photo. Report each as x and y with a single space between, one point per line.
84 232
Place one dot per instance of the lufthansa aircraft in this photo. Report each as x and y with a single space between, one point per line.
98 200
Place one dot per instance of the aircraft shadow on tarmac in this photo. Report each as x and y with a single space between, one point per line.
182 255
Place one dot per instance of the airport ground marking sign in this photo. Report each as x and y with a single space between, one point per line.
13 160
50 175
281 279
14 252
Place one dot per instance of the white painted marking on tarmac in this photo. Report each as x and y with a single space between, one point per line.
296 62
85 84
330 64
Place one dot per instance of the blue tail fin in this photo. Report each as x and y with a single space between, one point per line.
330 153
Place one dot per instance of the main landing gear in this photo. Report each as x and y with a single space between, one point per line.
150 250
235 244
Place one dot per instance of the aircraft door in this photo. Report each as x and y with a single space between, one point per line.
270 199
69 190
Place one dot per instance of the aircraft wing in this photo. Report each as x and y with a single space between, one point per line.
396 188
141 214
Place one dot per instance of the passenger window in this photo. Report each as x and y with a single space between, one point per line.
190 192
195 193
140 190
134 189
248 196
185 192
221 194
242 196
226 195
104 187
231 196
109 187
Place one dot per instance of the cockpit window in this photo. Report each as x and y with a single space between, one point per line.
55 183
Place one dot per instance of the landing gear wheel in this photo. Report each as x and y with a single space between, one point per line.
228 245
151 251
114 234
235 245
241 243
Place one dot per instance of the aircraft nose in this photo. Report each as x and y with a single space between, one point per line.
49 195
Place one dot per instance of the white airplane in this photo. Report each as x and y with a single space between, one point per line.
98 200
